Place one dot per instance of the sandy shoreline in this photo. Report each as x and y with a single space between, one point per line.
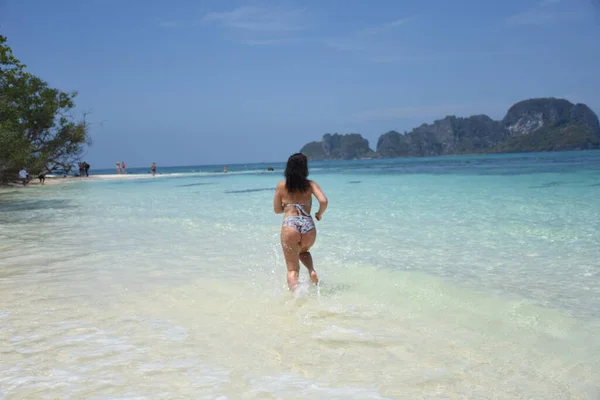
53 180
35 183
56 179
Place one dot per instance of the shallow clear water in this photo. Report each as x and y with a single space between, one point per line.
453 277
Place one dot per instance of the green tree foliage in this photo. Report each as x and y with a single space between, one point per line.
37 130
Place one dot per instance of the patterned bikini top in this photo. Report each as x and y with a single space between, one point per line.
299 207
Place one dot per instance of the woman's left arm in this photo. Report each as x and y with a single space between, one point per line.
277 201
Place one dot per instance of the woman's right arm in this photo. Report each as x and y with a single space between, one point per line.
321 198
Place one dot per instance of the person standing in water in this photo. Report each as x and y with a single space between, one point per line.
123 167
118 167
153 168
293 198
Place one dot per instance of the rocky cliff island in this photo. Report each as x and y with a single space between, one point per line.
544 124
339 147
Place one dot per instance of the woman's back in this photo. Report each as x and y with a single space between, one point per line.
290 201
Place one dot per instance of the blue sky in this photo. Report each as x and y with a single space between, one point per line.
216 81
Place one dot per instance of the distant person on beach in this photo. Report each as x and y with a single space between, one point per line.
123 167
118 167
42 177
81 169
225 170
153 168
86 168
24 176
293 198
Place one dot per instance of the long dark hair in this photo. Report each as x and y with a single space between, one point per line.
296 173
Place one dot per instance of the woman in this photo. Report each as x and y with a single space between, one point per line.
293 198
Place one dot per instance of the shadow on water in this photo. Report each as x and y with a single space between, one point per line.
20 211
354 181
548 184
32 205
195 184
249 190
144 181
595 185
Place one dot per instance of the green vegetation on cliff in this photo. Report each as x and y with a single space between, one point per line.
544 124
338 147
451 135
557 138
549 125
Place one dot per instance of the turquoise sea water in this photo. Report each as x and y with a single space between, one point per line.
442 278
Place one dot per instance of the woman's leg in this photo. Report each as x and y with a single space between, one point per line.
305 257
290 243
